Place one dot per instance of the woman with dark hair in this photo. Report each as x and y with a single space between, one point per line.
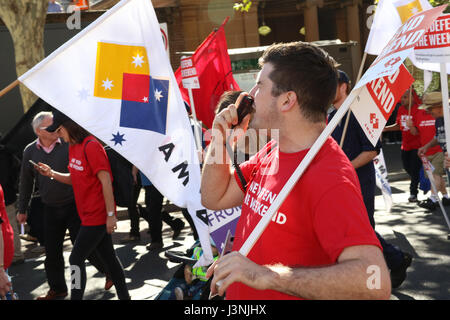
91 179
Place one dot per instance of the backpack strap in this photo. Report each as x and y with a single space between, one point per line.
84 149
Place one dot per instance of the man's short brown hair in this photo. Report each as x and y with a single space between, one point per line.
308 71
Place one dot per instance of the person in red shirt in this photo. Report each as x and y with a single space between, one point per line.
424 125
91 178
6 249
410 142
432 105
81 4
320 244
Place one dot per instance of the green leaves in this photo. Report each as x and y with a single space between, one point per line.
242 6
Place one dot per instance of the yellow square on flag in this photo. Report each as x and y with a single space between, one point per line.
406 9
113 60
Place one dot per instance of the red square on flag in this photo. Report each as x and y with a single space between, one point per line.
136 87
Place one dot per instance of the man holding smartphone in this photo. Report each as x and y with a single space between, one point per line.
60 212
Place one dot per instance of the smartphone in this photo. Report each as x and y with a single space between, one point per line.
33 163
244 108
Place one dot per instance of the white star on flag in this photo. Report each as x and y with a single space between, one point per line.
107 84
83 94
138 60
158 95
145 99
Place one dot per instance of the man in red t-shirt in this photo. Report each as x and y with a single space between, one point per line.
319 245
410 141
432 103
424 124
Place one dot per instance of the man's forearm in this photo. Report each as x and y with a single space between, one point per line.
216 174
359 273
432 143
363 158
393 127
347 280
414 131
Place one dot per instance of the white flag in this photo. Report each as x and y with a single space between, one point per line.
389 16
382 180
114 79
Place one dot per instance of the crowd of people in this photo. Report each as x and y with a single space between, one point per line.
328 235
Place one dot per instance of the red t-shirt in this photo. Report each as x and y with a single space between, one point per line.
409 141
323 214
427 130
87 187
8 235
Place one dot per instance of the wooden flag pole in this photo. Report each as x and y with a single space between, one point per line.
427 169
194 115
11 86
410 94
344 132
410 100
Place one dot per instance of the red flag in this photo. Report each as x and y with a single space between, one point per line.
213 66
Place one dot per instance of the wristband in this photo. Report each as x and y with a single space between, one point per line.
52 173
110 214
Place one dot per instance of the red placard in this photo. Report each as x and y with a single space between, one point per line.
438 35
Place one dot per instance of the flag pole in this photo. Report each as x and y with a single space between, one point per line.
410 98
434 190
11 86
410 93
344 132
194 115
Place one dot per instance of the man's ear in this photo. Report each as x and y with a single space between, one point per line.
289 100
343 88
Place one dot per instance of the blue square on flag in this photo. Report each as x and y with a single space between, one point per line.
148 112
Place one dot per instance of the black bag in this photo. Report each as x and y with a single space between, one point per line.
121 170
123 183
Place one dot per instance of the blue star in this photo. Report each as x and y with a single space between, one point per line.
118 138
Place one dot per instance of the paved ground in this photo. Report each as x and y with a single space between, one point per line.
413 229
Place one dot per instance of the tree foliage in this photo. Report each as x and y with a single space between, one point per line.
242 6
25 20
